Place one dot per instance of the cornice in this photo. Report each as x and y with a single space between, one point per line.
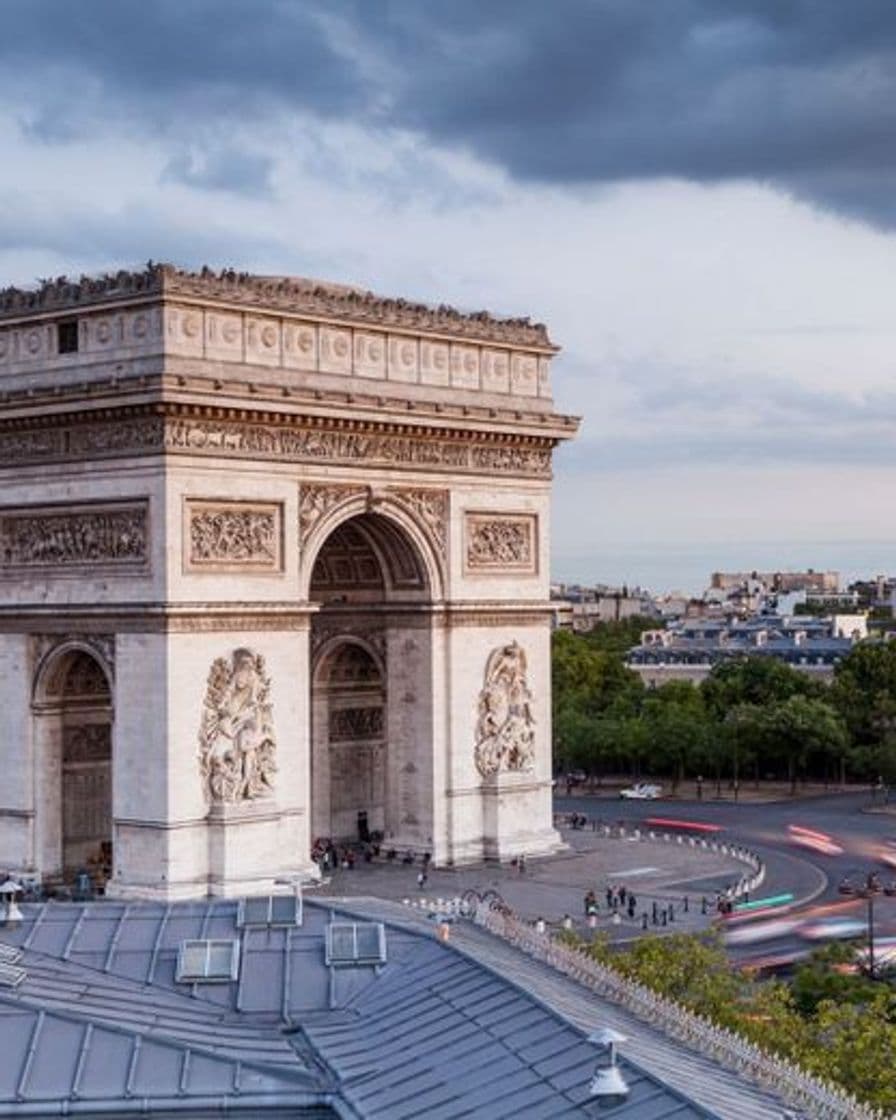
294 295
99 397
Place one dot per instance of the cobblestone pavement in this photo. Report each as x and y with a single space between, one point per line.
666 874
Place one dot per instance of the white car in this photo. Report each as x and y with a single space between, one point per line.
643 791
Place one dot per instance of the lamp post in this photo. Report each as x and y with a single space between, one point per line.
870 889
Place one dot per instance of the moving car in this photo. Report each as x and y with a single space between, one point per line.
814 840
642 791
833 929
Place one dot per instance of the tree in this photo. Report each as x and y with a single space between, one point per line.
864 692
799 727
825 976
676 728
754 680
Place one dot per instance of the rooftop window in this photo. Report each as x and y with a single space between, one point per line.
273 910
10 974
217 961
350 943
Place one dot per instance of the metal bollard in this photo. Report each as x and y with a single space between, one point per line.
644 920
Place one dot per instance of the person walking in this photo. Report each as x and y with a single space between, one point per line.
590 903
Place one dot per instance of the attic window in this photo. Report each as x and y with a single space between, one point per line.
350 943
275 910
67 336
217 961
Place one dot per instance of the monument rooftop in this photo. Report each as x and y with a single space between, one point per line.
167 334
296 294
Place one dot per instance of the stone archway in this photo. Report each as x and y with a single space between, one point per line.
73 738
371 702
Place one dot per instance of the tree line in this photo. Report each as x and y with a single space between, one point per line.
751 718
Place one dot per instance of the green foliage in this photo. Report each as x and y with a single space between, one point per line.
752 714
754 680
823 977
864 692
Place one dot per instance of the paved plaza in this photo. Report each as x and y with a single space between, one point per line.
665 874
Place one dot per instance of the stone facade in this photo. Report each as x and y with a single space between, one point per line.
273 567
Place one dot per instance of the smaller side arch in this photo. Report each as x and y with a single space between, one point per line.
49 675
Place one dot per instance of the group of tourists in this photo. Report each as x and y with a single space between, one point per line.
619 899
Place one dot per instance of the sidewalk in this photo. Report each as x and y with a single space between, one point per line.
658 873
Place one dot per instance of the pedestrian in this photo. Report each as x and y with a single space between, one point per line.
622 896
631 905
421 878
521 865
590 903
609 898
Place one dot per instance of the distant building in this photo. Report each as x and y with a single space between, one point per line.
689 649
582 608
779 581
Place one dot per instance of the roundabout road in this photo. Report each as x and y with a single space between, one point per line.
812 876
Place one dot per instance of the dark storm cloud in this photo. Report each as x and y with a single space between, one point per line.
799 93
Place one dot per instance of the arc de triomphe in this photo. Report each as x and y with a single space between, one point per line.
273 567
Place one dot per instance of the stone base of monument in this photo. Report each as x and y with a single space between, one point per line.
251 845
511 803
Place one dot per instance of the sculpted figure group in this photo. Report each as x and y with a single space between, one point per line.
237 746
505 732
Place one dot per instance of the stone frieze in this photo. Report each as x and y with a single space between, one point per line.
272 441
87 536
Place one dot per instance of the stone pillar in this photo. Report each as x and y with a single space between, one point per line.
173 837
18 849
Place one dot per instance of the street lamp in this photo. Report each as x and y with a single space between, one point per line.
870 888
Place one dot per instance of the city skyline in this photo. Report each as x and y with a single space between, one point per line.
698 201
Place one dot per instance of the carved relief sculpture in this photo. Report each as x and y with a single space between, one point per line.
500 542
237 746
233 536
74 538
316 500
431 508
505 731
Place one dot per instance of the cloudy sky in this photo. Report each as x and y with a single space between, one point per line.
697 196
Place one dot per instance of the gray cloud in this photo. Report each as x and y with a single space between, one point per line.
669 419
799 93
222 169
